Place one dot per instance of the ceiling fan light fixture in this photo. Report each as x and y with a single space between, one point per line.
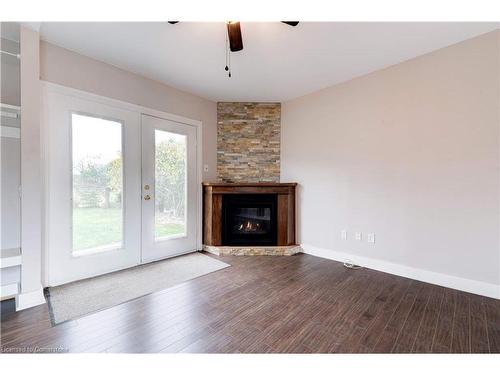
234 35
234 40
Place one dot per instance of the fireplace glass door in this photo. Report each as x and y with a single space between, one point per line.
249 220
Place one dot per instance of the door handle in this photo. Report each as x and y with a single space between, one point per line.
147 197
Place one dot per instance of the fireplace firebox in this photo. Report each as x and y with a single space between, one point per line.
249 219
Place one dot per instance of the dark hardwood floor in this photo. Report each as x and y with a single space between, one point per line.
298 304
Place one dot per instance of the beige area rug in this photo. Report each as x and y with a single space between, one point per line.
79 298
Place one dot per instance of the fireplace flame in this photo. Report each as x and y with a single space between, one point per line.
248 226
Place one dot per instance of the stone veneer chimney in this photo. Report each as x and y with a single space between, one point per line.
248 142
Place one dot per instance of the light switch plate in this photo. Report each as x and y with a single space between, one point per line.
205 168
359 236
370 237
343 235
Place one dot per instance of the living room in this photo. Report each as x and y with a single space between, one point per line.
252 187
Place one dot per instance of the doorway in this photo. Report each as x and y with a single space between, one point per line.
122 186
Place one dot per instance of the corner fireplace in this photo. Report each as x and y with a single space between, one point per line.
253 216
249 219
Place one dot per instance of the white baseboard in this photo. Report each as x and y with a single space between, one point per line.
454 282
29 299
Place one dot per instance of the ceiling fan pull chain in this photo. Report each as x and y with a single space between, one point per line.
234 42
227 52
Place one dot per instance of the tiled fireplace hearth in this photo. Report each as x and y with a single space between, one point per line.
249 218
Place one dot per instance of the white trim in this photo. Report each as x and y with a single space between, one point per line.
199 177
10 132
171 237
498 157
49 87
12 115
9 290
97 250
10 106
29 299
44 157
449 281
10 258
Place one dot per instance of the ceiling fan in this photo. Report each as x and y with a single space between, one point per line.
235 39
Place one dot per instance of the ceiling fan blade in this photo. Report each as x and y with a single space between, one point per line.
234 34
291 23
172 22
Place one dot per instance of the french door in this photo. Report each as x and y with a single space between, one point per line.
169 188
121 187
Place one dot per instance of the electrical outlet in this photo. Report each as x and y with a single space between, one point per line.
358 236
205 168
370 237
343 235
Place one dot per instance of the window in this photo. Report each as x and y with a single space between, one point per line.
170 185
97 164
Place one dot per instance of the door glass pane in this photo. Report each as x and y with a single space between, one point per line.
170 185
97 184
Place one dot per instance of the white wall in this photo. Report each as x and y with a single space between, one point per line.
67 68
410 153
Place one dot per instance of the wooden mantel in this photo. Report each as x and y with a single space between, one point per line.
212 208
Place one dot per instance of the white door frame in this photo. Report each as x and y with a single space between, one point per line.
46 89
